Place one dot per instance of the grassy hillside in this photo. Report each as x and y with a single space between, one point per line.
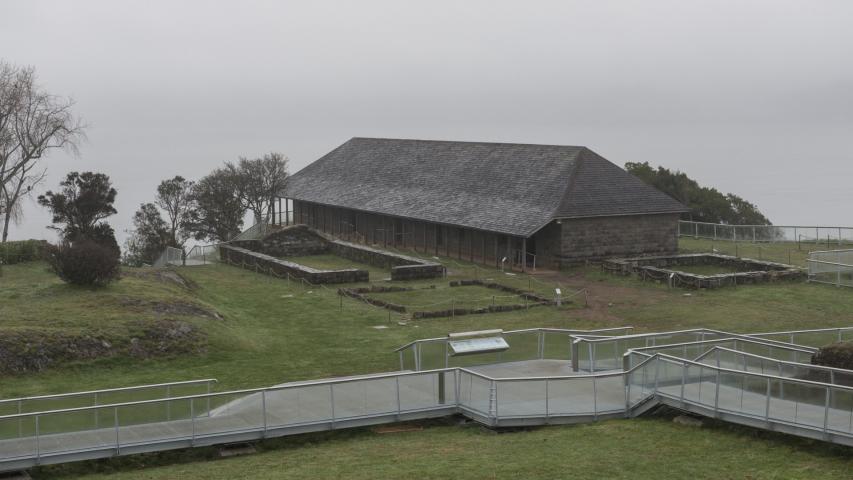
267 331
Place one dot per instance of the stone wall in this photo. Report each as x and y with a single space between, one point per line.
602 237
293 241
282 268
666 269
402 267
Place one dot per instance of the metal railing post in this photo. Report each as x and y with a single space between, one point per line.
657 369
20 420
118 439
397 383
192 421
547 405
683 380
767 405
38 440
264 411
168 404
332 402
717 394
457 379
826 411
591 357
594 399
495 387
97 412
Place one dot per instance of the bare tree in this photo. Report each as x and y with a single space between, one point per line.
174 197
32 123
257 181
18 187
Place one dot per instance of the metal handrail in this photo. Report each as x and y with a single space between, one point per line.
682 361
764 226
108 390
658 334
553 330
801 349
695 330
812 330
776 360
274 388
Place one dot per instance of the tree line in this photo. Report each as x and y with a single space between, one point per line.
34 122
706 204
211 209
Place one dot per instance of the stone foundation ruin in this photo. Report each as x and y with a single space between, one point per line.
665 269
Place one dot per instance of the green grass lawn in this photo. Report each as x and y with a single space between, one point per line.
782 252
334 262
653 448
706 269
272 331
443 297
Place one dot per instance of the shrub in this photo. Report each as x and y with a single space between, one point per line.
21 251
85 262
838 355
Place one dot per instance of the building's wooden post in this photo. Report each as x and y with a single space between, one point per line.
459 243
497 256
509 250
524 254
471 246
435 235
483 250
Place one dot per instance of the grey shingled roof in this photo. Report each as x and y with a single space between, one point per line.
514 189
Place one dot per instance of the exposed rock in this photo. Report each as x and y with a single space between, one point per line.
34 350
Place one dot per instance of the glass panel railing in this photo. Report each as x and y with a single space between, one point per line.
521 398
571 396
299 405
609 394
64 401
475 393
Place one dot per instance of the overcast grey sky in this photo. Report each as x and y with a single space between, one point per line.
751 97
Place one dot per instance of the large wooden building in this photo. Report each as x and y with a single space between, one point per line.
521 204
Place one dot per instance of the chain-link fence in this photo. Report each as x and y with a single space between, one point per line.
203 254
766 233
834 267
170 256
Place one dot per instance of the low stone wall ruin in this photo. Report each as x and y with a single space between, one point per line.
665 269
403 267
282 268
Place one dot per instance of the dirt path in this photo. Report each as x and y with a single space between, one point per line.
602 297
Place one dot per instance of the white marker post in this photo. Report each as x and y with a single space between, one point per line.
559 296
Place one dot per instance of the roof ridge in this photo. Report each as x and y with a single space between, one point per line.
469 142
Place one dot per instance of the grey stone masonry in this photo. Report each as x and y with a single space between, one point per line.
403 267
301 240
282 268
295 241
602 237
666 269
